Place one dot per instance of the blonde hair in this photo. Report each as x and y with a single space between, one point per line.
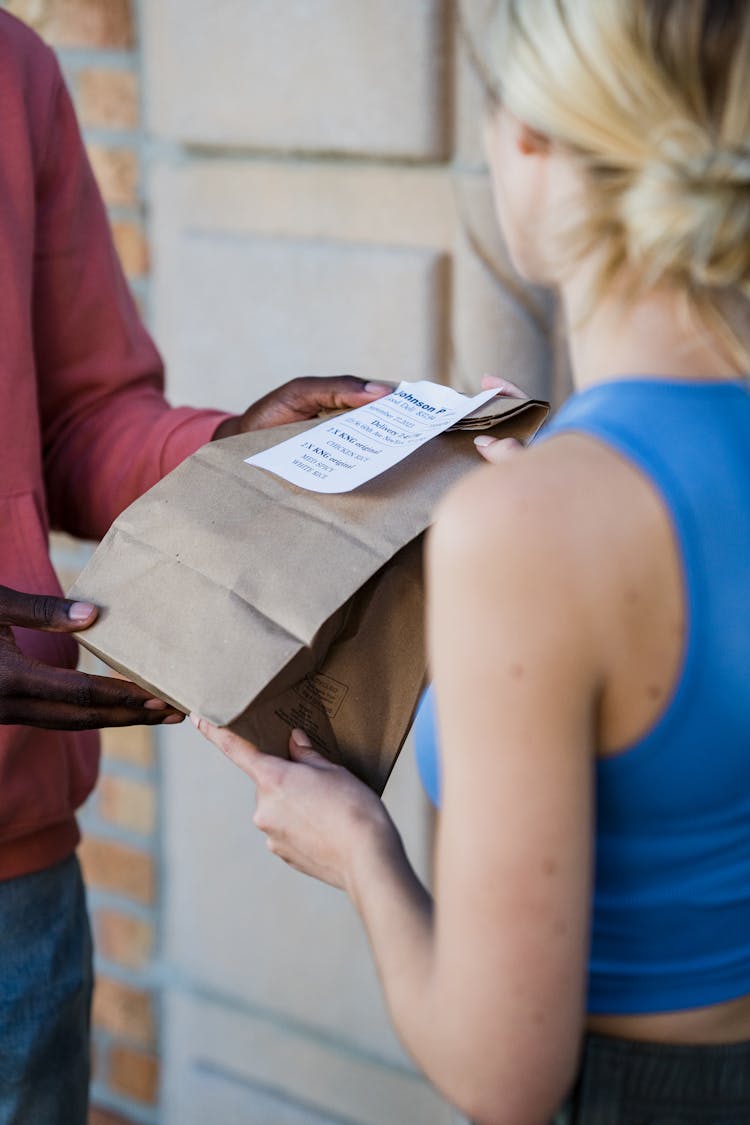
652 97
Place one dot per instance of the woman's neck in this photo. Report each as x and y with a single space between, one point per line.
649 337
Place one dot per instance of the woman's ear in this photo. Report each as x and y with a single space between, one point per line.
529 141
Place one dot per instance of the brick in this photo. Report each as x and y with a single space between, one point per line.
132 248
394 302
122 1010
99 1116
116 171
469 96
115 867
129 744
223 1062
79 23
108 99
121 938
128 804
135 1074
376 81
495 312
97 1056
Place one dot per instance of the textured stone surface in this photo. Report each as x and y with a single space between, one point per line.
100 1116
314 75
127 803
134 1074
123 1010
134 745
116 171
237 1068
500 324
335 201
107 98
469 105
252 313
111 866
132 247
79 23
123 938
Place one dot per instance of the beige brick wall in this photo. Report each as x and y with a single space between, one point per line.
103 24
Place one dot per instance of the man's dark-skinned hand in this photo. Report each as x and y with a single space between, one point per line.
37 695
301 399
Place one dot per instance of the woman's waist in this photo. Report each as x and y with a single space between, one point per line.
724 1022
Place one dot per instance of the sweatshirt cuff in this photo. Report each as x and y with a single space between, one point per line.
188 430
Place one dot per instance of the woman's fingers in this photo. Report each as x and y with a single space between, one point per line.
497 450
302 750
494 382
241 752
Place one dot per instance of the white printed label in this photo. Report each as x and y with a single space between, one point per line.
350 449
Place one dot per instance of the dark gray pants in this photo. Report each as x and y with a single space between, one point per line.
622 1082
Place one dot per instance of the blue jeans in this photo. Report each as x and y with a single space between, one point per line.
46 980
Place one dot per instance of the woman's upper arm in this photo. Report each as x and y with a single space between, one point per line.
515 673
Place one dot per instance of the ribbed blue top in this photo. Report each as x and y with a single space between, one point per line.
671 912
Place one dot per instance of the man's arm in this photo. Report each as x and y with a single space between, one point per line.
108 433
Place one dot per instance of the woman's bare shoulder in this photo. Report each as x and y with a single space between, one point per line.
555 497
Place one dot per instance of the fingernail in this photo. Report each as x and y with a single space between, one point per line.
80 611
195 720
301 738
155 705
377 388
176 718
484 440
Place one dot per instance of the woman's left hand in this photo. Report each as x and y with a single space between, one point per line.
318 817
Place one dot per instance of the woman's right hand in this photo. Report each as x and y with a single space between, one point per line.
496 450
34 694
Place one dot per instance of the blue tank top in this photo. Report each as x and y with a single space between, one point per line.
671 911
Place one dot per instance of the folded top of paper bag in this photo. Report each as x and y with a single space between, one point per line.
220 580
348 450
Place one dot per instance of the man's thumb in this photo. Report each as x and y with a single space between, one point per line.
44 611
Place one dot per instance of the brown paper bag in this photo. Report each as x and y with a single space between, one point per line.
262 606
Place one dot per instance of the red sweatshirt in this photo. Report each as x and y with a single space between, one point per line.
84 426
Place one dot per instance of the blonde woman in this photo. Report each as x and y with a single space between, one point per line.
589 936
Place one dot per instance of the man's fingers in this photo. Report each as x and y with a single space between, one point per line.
63 685
53 715
43 611
334 393
242 753
494 382
497 450
301 399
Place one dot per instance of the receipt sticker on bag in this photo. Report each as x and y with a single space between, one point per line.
263 605
350 449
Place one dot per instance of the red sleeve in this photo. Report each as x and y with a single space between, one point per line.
108 432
